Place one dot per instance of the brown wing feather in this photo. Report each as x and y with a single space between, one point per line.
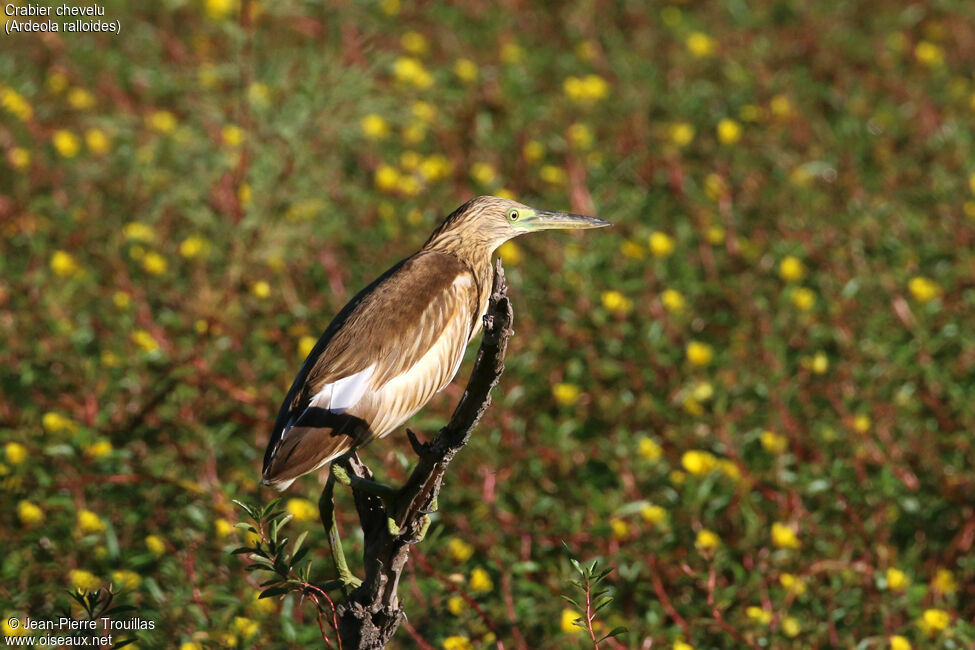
392 323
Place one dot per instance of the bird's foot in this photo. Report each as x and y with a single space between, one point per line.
326 509
389 496
422 449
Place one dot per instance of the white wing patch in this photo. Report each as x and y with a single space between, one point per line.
342 394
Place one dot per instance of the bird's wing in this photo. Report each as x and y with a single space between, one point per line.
382 333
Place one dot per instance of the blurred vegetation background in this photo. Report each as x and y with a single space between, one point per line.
753 397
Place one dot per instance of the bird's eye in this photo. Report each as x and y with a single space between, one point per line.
513 215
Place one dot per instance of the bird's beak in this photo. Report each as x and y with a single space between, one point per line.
545 220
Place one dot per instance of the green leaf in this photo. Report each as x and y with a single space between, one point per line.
273 591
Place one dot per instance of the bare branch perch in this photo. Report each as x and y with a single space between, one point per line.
372 612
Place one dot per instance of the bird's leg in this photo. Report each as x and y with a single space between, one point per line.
326 510
389 496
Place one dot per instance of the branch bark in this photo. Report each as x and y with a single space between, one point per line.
372 612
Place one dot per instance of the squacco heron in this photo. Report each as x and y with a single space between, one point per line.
400 340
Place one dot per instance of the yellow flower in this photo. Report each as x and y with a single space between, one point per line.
715 186
944 582
677 477
15 103
791 269
566 394
29 513
232 135
121 299
305 345
154 264
653 514
55 423
390 7
223 527
680 645
511 53
729 469
245 626
715 235
89 522
414 43
483 173
706 540
819 364
552 174
80 99
302 509
700 45
138 231
466 70
261 289
672 300
792 584
699 354
410 71
929 54
435 168
533 151
457 642
569 617
190 645
99 449
505 193
861 423
698 462
258 94
459 550
386 178
934 620
423 111
784 537
161 122
5 627
481 580
632 250
802 298
616 302
773 442
456 605
145 340
19 158
580 136
791 627
661 244
67 143
587 90
84 580
703 391
125 579
971 182
15 453
897 580
194 246
649 449
897 642
924 289
729 131
510 253
374 127
218 9
97 141
681 133
763 616
620 529
156 545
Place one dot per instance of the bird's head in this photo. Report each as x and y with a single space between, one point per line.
484 223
